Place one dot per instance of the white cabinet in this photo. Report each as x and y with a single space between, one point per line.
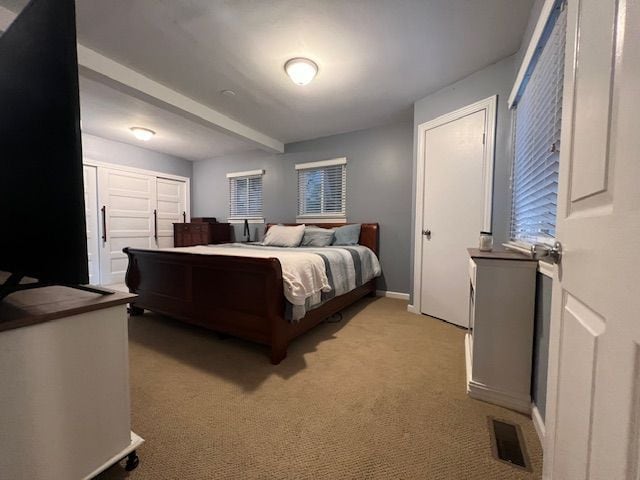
64 372
499 341
128 207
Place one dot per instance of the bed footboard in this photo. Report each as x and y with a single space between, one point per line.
240 296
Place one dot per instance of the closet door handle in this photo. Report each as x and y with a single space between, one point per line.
155 224
184 217
104 223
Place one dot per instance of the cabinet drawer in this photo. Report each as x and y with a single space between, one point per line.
472 272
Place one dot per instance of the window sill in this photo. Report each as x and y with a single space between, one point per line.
320 220
545 268
241 220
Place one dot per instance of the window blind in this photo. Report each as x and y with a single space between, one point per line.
322 190
245 197
538 117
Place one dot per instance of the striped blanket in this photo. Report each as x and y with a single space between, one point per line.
311 275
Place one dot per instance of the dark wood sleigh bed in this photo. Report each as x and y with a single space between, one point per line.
240 296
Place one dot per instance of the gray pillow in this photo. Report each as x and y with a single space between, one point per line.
347 235
317 237
282 236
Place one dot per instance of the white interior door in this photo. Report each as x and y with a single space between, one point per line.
91 211
171 195
593 400
453 213
127 201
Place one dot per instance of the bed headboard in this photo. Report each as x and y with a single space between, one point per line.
369 232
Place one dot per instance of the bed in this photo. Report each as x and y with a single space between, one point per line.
238 295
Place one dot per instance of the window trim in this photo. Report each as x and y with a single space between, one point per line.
532 53
250 219
321 217
322 163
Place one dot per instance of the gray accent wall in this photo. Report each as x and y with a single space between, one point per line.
541 342
109 151
496 79
379 178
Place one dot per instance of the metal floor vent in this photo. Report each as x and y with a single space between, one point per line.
508 444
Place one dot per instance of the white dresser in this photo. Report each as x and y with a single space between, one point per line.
499 342
64 384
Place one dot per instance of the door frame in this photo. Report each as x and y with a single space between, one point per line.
490 105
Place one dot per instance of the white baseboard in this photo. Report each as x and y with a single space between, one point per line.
412 309
538 423
479 391
389 294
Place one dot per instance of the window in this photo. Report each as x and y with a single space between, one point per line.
538 114
322 189
245 195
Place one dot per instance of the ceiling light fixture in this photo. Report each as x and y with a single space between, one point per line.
143 134
301 70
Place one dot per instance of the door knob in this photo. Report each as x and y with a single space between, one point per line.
427 233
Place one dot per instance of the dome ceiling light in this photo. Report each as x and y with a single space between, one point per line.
143 134
301 70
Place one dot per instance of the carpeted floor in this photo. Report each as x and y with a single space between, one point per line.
380 395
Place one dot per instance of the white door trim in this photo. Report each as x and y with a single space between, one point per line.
490 105
153 173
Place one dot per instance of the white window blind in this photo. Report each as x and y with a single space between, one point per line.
322 188
537 139
245 195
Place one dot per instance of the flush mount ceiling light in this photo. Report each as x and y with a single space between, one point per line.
301 70
143 134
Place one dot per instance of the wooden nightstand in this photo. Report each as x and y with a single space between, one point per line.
196 233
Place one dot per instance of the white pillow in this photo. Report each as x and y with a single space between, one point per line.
282 236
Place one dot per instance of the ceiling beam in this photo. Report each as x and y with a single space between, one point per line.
97 66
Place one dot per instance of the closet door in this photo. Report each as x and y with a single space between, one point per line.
91 210
127 201
171 208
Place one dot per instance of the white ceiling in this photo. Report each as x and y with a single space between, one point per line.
109 113
376 57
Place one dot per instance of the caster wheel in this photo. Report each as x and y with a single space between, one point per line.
132 462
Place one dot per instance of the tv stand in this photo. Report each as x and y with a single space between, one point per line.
12 285
64 362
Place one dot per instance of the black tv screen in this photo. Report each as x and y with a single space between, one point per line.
41 186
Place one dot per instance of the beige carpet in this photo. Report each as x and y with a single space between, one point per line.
380 395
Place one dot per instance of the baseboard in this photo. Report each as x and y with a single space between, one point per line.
538 423
412 309
519 403
389 294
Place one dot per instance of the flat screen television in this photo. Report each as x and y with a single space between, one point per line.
43 233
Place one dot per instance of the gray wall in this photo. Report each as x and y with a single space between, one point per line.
541 342
496 79
378 187
108 151
531 25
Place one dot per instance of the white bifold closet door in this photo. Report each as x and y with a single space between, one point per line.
91 211
127 201
171 208
128 208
